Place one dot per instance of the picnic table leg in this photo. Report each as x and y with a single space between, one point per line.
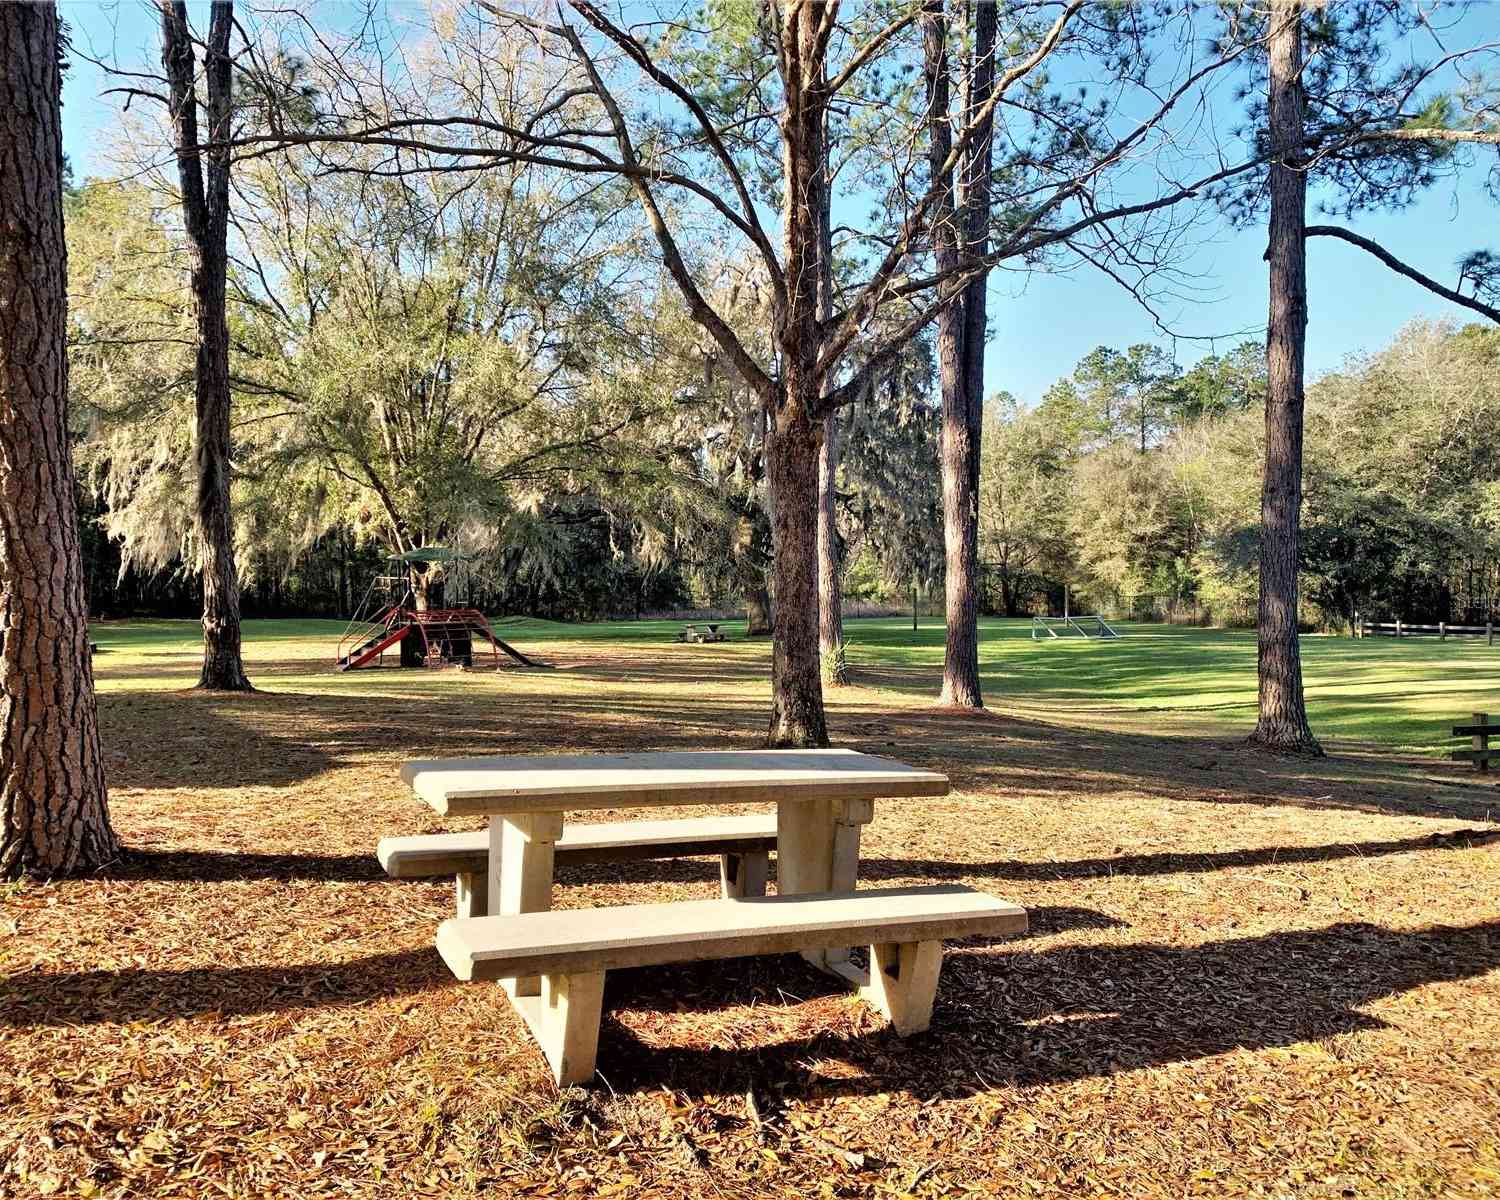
817 850
903 983
743 875
472 890
522 849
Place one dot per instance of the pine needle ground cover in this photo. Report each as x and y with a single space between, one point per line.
1245 976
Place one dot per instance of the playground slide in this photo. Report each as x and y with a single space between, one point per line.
372 648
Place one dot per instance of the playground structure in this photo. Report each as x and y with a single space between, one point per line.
390 617
1089 626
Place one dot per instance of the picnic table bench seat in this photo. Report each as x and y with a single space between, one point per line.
572 949
743 844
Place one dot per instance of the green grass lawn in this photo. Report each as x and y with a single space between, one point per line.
1376 689
1168 678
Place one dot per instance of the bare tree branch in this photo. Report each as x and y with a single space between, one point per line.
1487 136
1401 268
870 49
642 59
699 307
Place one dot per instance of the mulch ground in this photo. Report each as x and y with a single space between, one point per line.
1245 976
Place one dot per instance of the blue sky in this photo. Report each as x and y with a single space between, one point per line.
1042 324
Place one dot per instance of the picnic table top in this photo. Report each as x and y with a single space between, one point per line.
529 783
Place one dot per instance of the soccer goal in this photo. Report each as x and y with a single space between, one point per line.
1091 626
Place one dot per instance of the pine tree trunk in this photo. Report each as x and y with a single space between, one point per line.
961 657
223 665
53 803
1282 723
959 453
758 611
205 210
961 327
795 433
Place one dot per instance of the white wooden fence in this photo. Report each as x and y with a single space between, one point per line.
1442 630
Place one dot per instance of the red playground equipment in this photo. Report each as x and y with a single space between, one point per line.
425 636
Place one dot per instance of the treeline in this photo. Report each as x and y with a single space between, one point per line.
1133 486
561 422
1136 486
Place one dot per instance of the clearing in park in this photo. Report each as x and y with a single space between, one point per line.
1242 976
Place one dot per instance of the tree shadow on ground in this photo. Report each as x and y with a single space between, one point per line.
209 740
149 994
1004 1017
1169 863
218 866
221 866
279 739
212 866
156 994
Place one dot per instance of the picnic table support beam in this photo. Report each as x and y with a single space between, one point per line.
522 853
903 983
564 1018
817 850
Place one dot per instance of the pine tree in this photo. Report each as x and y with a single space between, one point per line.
54 811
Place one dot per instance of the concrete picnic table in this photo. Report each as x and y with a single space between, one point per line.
822 799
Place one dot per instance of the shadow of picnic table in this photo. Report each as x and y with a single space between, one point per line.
1006 1014
1012 1017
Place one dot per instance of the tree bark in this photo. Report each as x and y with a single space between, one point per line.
53 802
831 651
797 717
961 657
343 551
961 329
205 211
1282 721
427 589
